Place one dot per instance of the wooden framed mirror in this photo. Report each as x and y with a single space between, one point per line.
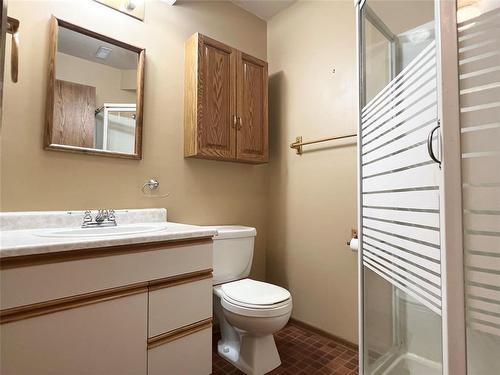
95 93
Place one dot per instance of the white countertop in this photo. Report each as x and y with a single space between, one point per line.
28 241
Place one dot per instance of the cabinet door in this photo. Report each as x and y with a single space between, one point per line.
252 135
217 99
74 114
102 338
187 355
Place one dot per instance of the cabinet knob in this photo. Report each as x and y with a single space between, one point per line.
235 121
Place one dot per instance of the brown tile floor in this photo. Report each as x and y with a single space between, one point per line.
302 352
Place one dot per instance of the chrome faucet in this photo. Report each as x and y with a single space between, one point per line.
103 218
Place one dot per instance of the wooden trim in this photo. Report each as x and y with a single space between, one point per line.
71 255
203 39
51 82
93 34
90 151
178 333
191 99
55 23
180 279
321 332
253 60
139 113
29 311
66 303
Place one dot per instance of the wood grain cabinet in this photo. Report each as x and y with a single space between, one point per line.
225 104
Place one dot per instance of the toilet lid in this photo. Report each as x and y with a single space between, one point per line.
253 292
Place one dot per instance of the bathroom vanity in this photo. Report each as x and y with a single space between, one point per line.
76 302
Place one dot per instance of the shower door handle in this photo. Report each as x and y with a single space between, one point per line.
430 149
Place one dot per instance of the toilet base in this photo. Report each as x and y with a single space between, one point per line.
253 355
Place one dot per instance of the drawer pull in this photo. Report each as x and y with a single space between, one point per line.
178 333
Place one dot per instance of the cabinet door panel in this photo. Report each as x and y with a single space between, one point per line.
217 99
189 355
173 307
74 114
252 136
102 338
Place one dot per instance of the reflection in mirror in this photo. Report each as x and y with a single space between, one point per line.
96 104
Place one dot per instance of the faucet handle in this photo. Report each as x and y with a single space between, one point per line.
111 215
87 217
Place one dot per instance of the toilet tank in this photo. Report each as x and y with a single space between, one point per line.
232 252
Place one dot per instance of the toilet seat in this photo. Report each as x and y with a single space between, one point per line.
268 312
249 297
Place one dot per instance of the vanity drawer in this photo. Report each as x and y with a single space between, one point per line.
180 304
73 273
189 354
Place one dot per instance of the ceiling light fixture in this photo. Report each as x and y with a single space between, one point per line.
132 4
103 52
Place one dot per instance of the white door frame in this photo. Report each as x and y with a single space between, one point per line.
452 259
359 78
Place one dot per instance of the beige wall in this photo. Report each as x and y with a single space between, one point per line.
200 191
313 196
303 207
106 79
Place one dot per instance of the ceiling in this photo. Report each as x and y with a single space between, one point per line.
85 47
264 9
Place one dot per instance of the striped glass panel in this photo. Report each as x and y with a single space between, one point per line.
479 68
400 190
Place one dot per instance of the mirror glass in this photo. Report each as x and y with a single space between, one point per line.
95 106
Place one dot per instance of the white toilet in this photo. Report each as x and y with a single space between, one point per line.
248 311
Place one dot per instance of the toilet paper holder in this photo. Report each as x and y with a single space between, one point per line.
354 234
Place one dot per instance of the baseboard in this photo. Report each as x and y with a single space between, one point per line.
299 323
321 332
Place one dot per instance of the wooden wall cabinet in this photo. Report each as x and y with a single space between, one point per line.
225 103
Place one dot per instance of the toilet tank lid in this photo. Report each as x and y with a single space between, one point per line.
233 231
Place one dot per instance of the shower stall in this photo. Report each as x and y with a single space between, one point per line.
429 186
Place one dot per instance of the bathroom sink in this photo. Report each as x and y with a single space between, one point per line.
119 230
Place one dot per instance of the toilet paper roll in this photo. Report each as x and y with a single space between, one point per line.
353 244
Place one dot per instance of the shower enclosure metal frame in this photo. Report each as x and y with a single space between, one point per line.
452 273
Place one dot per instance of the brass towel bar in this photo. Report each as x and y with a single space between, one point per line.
298 144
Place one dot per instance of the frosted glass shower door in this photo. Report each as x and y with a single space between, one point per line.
479 68
400 190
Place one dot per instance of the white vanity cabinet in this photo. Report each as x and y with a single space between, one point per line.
128 309
101 338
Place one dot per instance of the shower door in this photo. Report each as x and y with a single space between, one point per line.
479 68
405 185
